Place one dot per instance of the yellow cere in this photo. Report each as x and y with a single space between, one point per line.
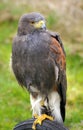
39 24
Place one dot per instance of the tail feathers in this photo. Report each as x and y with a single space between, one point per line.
62 108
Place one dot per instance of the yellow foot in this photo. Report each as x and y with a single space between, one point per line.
40 119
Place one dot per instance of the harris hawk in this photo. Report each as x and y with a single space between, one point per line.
39 64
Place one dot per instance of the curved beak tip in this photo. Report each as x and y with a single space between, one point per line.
43 26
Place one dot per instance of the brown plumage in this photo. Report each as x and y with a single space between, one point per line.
57 50
39 64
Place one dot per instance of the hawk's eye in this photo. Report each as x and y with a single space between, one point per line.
32 22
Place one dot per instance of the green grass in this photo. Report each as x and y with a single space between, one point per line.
74 117
14 101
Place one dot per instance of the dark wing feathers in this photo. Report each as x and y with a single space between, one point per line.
58 56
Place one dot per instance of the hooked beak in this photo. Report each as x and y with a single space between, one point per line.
40 24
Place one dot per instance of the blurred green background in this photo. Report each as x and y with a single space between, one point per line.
65 17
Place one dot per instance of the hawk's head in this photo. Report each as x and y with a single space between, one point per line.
30 22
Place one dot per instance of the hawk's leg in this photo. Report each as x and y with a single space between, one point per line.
54 102
40 111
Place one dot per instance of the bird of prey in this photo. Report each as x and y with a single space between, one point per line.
39 64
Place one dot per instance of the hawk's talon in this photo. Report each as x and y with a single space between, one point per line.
35 116
40 119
